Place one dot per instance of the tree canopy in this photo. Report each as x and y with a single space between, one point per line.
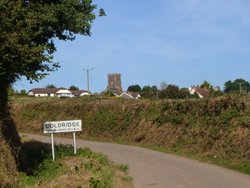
28 29
73 88
237 86
134 88
172 91
206 85
50 86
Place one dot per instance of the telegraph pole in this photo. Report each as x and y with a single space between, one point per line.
87 70
240 88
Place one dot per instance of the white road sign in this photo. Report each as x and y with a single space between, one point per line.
62 126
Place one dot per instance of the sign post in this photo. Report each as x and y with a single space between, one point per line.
62 127
53 147
74 140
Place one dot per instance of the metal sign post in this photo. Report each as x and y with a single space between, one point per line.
74 140
53 147
62 127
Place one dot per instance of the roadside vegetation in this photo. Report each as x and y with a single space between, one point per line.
8 172
85 169
212 130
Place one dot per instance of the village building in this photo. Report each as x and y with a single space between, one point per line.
115 84
115 87
130 95
201 92
81 93
56 92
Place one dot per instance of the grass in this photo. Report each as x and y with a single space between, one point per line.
8 171
199 129
87 169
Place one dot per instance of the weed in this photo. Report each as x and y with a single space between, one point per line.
101 171
123 168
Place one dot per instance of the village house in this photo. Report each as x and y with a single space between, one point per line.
56 92
80 93
201 92
130 95
43 92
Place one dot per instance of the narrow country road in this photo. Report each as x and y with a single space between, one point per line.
159 170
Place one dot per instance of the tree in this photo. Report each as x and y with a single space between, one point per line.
237 86
146 92
149 92
184 93
28 29
163 85
172 91
134 88
23 92
73 88
206 85
50 86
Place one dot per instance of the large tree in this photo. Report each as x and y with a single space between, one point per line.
134 88
206 85
172 91
27 32
237 86
73 88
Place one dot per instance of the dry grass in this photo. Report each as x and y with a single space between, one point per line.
86 169
214 127
8 171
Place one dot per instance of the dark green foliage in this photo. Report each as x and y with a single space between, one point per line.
173 92
73 88
28 29
239 86
35 153
134 88
149 92
23 92
206 85
27 32
50 86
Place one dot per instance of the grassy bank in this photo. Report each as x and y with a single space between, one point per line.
8 170
214 130
86 169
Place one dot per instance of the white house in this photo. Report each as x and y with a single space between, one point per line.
64 93
201 92
43 92
130 95
81 93
50 92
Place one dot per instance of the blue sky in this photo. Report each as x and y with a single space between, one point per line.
182 42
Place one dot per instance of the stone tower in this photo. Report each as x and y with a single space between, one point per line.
114 82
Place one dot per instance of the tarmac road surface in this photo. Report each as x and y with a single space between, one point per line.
152 169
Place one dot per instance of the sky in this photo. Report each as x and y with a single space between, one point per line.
181 42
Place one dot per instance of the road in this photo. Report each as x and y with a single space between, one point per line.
152 169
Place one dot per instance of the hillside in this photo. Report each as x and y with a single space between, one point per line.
216 130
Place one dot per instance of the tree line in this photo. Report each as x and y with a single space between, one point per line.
172 91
